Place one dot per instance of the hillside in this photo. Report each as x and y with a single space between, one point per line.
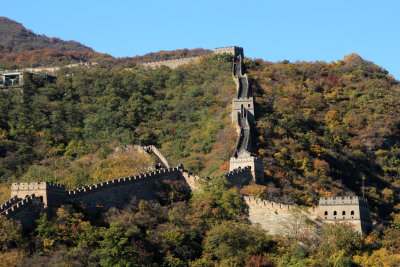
324 128
321 128
21 48
185 110
15 38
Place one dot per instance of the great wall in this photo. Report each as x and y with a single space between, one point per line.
29 199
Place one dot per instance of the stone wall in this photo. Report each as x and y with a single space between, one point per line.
243 118
255 165
350 209
53 195
277 217
25 211
104 195
241 104
172 63
160 157
118 192
273 217
240 176
233 50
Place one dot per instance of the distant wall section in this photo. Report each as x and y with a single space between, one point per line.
172 63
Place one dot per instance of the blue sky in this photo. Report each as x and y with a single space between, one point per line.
272 30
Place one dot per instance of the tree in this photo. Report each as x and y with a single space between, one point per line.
234 243
10 234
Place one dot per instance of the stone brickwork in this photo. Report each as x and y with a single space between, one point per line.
351 209
101 196
233 50
172 63
118 192
241 104
157 153
53 195
254 164
272 216
240 176
243 117
25 210
275 217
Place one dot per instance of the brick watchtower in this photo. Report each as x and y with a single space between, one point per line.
52 195
354 210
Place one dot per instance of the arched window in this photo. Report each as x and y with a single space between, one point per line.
343 213
352 212
326 213
335 213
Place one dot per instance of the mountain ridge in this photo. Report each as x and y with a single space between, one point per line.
15 38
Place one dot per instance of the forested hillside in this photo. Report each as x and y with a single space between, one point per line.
185 110
16 38
323 128
21 48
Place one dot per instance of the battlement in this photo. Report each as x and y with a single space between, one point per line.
348 200
240 176
265 204
37 186
121 181
237 171
233 50
9 203
20 205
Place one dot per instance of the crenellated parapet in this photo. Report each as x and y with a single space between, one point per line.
347 200
25 211
9 203
17 187
267 205
20 205
243 117
233 50
53 195
240 176
160 173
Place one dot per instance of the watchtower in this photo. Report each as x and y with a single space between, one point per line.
352 209
52 195
233 50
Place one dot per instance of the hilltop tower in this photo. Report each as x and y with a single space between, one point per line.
233 50
354 210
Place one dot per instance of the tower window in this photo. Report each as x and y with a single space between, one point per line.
335 213
343 213
326 213
352 212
